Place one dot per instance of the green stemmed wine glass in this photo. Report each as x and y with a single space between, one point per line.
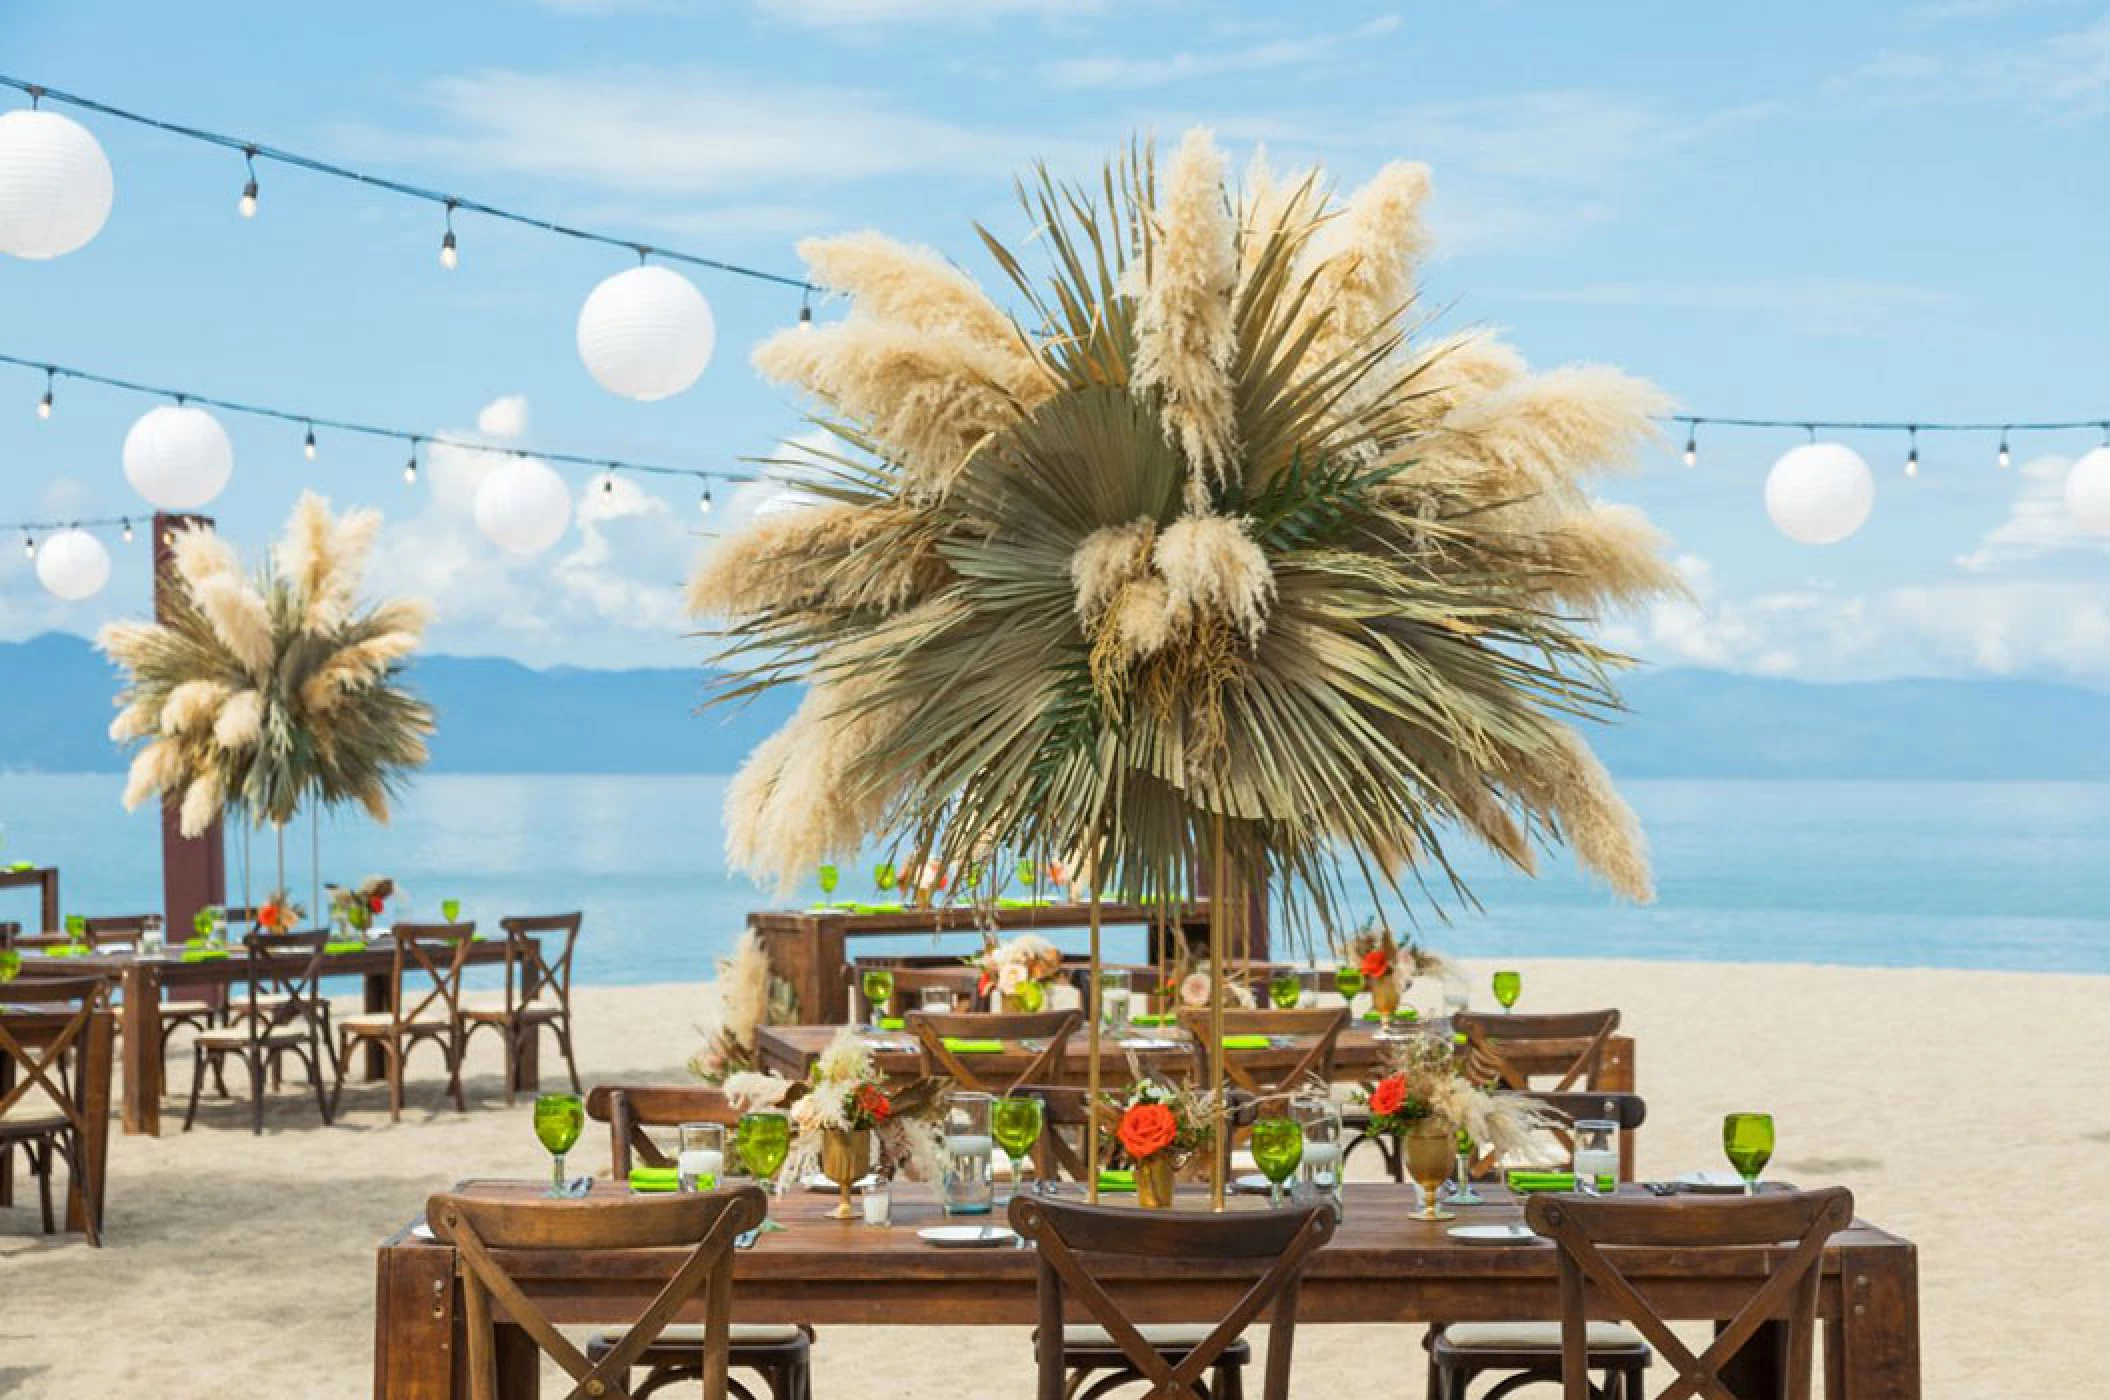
1015 1122
1278 1150
451 910
1028 876
1747 1140
1508 987
1283 991
1463 1194
878 986
883 876
763 1138
559 1118
830 877
1348 980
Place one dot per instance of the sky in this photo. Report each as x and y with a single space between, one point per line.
1794 211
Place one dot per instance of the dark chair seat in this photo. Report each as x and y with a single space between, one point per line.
779 1353
1529 1353
1097 1366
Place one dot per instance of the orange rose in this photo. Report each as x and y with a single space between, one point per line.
1375 963
874 1103
1147 1128
1389 1097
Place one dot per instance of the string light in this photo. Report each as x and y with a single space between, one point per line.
805 313
410 468
2004 457
608 483
253 151
1692 443
126 534
44 404
450 255
310 422
29 546
704 505
1912 458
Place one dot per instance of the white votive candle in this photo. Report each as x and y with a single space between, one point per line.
698 1163
969 1144
879 1204
1322 1158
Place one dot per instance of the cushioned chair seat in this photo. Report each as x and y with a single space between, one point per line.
172 1009
1171 1336
494 1011
1537 1336
237 1037
690 1334
379 1021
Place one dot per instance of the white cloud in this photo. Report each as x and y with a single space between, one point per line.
505 417
690 132
2038 522
1824 306
2063 76
1114 71
608 593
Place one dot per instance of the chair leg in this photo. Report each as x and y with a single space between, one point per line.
571 1066
1230 1383
197 1082
256 1063
455 1049
42 1165
344 1055
311 1056
394 1055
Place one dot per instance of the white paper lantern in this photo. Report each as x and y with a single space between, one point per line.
646 333
1820 493
55 186
73 565
2088 492
178 457
522 506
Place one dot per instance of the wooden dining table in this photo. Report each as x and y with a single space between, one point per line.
1381 1267
35 1027
142 977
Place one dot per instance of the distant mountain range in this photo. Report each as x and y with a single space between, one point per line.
498 716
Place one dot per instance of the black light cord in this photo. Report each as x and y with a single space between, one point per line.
413 440
252 151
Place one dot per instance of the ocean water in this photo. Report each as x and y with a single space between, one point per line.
1979 875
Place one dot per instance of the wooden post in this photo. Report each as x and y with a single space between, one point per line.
1091 1040
193 869
1219 943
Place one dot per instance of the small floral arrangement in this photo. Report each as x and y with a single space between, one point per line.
1192 982
845 1093
279 913
1424 1079
359 906
1157 1119
1007 968
1380 954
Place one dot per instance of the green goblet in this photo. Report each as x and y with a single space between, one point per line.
559 1119
1747 1140
1278 1150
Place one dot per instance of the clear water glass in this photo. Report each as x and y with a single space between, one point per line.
937 999
1117 1001
1596 1154
702 1160
969 1187
1320 1170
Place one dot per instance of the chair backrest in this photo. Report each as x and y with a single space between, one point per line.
529 967
629 1109
287 965
707 1223
43 1063
428 965
101 930
1064 1109
1075 1238
1592 1233
1575 1040
1317 1028
1052 1028
910 982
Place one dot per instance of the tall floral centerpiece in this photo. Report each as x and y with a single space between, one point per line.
267 692
1424 1099
1017 972
842 1109
353 909
1390 965
1158 1128
1209 554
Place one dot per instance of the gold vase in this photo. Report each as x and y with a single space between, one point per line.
844 1157
1384 995
1431 1152
1154 1182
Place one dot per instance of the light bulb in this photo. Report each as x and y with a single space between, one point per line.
608 484
410 469
44 405
2004 458
127 533
307 448
29 546
1912 463
805 318
1692 446
450 257
704 505
248 203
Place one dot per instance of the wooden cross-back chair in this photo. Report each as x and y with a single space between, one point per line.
1592 1233
1064 1110
280 1016
103 933
629 1109
1051 1028
1072 1238
429 958
483 1230
42 1111
537 993
1577 1037
1318 1029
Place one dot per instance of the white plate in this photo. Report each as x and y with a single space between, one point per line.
1491 1234
1713 1183
817 1182
1145 1044
967 1236
1253 1185
422 1231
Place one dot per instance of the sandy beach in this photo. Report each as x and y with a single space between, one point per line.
243 1264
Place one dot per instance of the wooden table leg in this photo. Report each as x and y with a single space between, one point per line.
142 1012
415 1324
376 999
95 1108
1880 1333
519 1363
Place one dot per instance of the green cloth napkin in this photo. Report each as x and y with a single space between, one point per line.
352 947
655 1179
1405 1013
1152 1019
198 955
23 865
1526 1182
1246 1042
892 1023
66 950
1112 1180
960 1046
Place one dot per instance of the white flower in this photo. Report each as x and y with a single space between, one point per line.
845 1061
1009 976
1194 989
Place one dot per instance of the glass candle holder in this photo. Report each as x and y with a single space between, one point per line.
969 1186
702 1159
1117 1000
